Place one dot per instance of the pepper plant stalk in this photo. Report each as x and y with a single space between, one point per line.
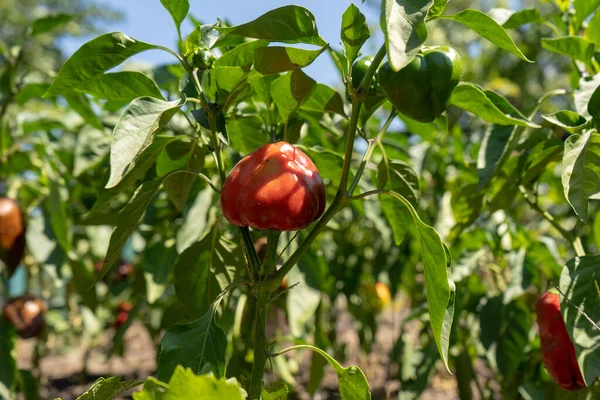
273 278
262 308
343 196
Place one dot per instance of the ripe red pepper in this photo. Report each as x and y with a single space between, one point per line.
558 352
12 234
275 187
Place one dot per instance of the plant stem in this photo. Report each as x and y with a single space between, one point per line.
342 197
370 149
260 345
358 99
568 236
270 260
217 147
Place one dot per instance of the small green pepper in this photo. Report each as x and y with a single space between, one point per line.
359 69
422 89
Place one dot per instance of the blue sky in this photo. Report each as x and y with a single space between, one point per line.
148 21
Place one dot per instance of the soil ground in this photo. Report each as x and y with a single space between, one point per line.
63 376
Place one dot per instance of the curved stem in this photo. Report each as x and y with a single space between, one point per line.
177 56
260 345
370 149
337 62
357 102
201 176
342 198
568 236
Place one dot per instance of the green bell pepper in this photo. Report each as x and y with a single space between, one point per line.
422 89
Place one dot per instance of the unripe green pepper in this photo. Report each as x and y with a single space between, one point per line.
202 59
422 89
359 69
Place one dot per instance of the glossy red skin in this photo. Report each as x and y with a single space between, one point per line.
558 352
275 187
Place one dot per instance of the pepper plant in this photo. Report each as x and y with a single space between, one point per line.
233 144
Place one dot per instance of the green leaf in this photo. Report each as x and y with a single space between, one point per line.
573 46
324 99
510 19
466 203
329 163
180 155
303 300
289 91
275 391
287 24
354 33
157 259
91 148
276 59
246 133
538 158
437 8
580 282
401 178
584 95
29 384
487 28
153 390
352 382
583 9
581 171
143 163
496 147
122 86
568 120
48 23
440 289
178 10
514 337
203 37
184 384
191 270
81 105
108 388
8 342
31 91
418 361
93 59
523 17
196 221
488 105
127 221
59 221
403 23
241 55
135 131
593 31
193 345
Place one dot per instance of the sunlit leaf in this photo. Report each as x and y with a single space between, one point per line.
403 23
94 58
487 28
581 171
580 282
135 131
287 24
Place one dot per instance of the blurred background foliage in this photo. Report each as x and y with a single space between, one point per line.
54 161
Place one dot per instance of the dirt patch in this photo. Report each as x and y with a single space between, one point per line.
64 375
